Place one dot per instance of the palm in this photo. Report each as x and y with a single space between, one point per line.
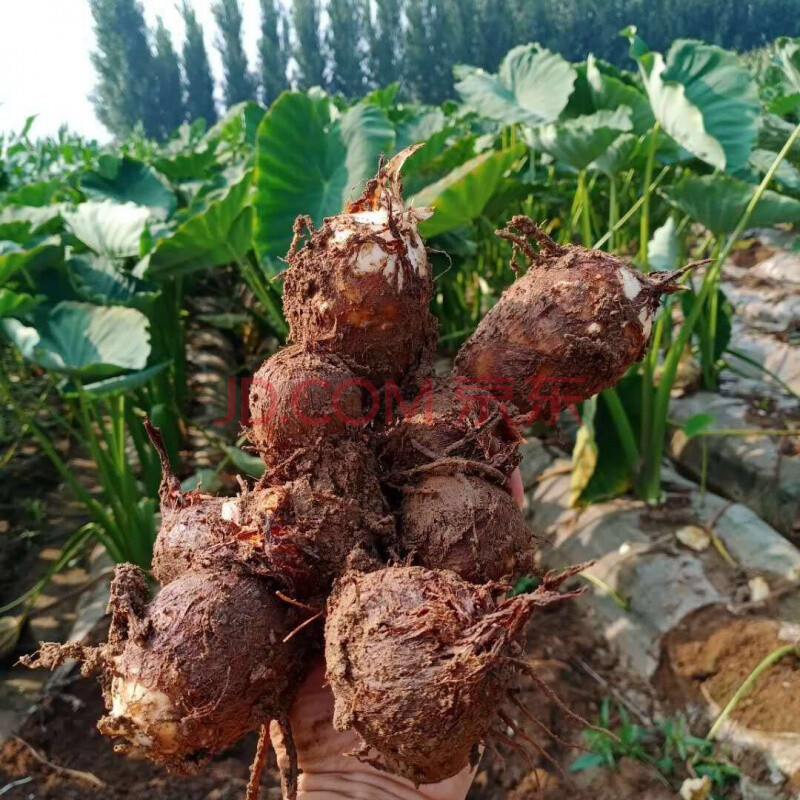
328 773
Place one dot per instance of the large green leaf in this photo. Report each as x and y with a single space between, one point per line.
20 223
124 180
611 475
15 304
787 57
14 258
98 279
703 97
664 249
718 202
83 339
187 166
772 135
579 141
609 91
619 155
238 128
787 173
110 229
219 234
309 163
118 384
462 195
532 85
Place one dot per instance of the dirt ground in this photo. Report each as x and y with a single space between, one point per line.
62 732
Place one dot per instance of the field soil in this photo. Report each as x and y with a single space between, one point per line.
59 739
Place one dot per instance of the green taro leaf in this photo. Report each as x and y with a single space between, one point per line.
703 97
125 180
664 249
20 223
83 339
786 174
718 202
309 163
462 195
219 234
609 91
187 166
15 304
119 384
110 229
697 424
787 57
246 462
580 140
98 279
14 258
772 135
619 155
532 86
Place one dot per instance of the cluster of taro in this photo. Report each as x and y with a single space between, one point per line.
388 544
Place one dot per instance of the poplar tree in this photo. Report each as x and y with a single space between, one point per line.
168 99
198 83
308 43
273 55
124 65
344 40
237 83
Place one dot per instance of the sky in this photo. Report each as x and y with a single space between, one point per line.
45 66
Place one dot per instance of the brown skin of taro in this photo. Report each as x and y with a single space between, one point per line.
210 648
383 333
454 420
541 327
189 674
303 531
294 402
466 524
192 536
418 663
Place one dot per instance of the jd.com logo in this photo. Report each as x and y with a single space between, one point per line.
544 395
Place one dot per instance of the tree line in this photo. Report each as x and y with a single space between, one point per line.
352 46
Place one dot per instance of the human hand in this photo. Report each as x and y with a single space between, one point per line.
327 771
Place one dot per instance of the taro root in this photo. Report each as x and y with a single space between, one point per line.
299 396
195 531
454 420
577 318
301 532
467 524
361 285
421 663
189 674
